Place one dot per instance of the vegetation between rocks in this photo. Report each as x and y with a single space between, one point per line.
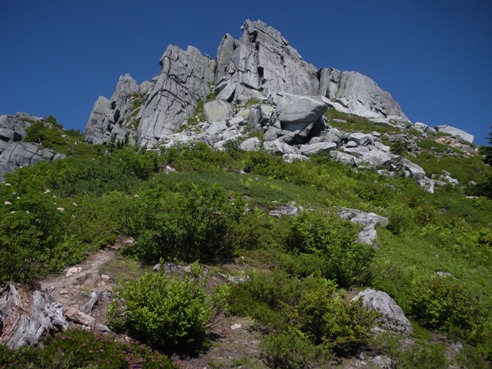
302 271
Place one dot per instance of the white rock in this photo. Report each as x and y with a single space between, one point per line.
72 271
453 131
392 316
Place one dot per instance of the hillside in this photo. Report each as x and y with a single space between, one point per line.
239 214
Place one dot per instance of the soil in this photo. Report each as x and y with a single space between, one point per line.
234 342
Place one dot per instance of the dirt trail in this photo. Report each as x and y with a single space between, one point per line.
234 344
74 285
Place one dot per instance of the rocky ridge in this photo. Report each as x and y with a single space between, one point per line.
259 66
258 83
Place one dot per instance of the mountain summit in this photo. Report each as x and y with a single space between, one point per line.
261 66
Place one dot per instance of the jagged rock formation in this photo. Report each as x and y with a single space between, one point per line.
258 82
13 152
185 78
117 119
261 66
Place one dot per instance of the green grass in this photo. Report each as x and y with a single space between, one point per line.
356 123
444 231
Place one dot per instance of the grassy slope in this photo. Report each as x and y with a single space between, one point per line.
428 232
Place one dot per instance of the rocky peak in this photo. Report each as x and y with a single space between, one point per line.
260 66
261 63
185 78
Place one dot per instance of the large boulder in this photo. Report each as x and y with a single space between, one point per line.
453 131
217 110
25 153
392 316
296 112
315 148
352 92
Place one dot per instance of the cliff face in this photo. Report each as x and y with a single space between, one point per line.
259 66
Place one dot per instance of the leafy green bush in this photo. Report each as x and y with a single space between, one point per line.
194 225
74 349
293 350
32 237
169 313
310 305
443 304
342 326
332 240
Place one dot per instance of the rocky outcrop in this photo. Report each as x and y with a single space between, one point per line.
185 78
453 131
116 120
14 152
259 67
392 316
260 64
352 92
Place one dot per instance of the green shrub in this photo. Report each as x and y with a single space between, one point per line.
342 326
416 355
444 304
194 225
333 241
293 350
74 349
310 305
32 237
169 313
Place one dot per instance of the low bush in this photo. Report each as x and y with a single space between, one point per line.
332 240
444 304
342 326
168 313
74 349
293 350
310 305
193 225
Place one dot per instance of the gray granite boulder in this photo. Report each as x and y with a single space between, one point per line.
296 112
316 148
217 110
352 92
453 131
392 316
250 144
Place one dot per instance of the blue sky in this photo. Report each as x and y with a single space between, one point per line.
433 56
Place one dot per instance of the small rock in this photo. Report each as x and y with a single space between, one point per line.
284 210
72 271
157 267
79 317
383 362
236 326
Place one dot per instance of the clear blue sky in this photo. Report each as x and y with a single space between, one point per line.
433 56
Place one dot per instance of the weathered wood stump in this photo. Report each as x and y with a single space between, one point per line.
26 315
